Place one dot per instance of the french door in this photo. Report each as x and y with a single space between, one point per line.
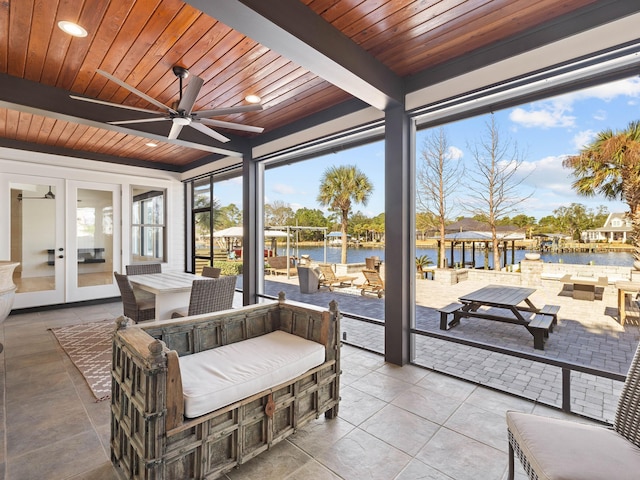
66 236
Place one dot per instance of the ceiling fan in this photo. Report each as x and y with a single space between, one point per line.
182 115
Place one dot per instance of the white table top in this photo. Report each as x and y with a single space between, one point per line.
159 283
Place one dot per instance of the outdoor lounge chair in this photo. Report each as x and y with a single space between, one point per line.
328 277
550 448
372 283
135 307
210 295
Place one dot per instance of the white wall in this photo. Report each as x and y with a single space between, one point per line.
68 168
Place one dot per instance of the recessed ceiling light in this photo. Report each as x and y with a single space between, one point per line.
151 144
72 28
252 98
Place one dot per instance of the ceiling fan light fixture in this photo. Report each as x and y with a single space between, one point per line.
251 98
72 28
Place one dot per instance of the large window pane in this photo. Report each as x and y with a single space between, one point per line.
148 225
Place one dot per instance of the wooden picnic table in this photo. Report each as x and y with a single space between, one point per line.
510 305
625 288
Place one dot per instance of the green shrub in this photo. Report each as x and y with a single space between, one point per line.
229 268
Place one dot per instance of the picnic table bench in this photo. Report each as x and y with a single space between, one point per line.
507 302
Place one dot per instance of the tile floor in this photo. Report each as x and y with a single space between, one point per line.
394 422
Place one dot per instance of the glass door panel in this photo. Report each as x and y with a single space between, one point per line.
37 239
94 248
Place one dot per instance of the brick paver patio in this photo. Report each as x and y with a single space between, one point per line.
588 333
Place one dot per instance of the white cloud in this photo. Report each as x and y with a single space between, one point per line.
543 115
283 189
600 115
547 174
555 112
629 87
583 138
454 153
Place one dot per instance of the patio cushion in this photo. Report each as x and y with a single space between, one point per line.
221 376
567 450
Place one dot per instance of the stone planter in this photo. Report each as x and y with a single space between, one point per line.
7 289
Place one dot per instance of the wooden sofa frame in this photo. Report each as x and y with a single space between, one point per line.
151 439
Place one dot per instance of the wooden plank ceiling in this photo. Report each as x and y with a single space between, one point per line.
138 41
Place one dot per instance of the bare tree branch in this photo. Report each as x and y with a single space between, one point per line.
438 176
494 184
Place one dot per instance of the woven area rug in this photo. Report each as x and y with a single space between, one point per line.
89 347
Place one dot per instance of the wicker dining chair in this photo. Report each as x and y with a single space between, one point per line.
210 295
137 309
551 449
211 272
143 268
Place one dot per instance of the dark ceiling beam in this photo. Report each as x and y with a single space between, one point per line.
85 155
37 99
581 20
294 31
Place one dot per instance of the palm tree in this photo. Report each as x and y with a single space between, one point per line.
610 166
339 187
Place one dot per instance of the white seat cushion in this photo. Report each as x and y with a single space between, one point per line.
566 450
215 378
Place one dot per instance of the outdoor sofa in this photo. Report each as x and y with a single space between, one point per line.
173 414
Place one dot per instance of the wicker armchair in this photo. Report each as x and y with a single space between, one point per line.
137 309
210 295
552 449
143 268
211 272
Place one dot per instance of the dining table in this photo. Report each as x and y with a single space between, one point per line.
171 289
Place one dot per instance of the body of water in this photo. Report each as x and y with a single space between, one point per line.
358 254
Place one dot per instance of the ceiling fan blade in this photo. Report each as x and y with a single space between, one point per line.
227 111
135 91
210 132
140 120
190 96
110 104
175 131
231 125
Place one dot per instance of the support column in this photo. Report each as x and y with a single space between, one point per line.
253 226
399 232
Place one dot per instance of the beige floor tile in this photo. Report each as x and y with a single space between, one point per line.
404 430
416 470
282 459
449 386
381 386
427 404
360 455
357 406
462 458
81 453
479 424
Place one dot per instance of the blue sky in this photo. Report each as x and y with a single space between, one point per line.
544 132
